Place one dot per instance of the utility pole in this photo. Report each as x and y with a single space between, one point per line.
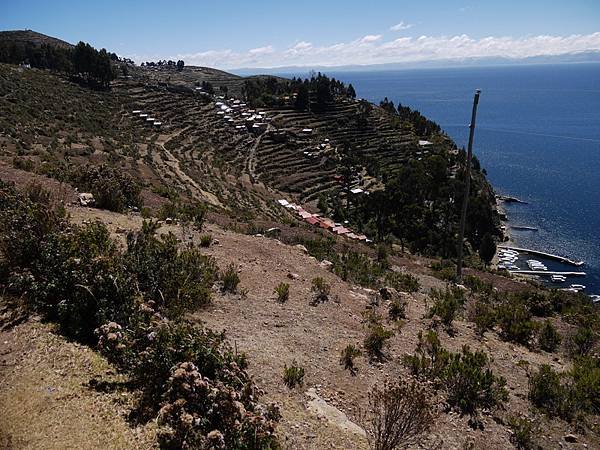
465 205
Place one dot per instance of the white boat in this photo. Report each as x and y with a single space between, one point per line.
577 286
595 299
558 278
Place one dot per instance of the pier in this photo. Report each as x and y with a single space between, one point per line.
561 259
547 272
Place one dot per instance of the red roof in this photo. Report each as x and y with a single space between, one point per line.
312 220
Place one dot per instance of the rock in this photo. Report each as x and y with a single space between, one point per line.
301 248
326 264
168 221
293 276
86 199
570 438
120 230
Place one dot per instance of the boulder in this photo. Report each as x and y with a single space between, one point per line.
86 199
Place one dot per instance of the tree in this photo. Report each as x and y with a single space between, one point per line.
351 91
302 98
487 248
180 65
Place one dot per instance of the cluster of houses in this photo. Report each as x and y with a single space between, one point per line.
147 118
323 222
237 114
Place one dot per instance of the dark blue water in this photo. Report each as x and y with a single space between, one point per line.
538 137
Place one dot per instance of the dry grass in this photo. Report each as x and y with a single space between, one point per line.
46 401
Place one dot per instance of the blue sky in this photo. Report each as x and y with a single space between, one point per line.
232 34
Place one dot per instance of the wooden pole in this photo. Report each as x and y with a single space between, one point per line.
465 205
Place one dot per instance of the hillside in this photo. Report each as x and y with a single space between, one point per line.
265 256
32 37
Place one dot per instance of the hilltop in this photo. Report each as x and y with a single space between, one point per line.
264 256
32 37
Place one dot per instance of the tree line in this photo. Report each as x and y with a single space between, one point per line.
405 115
83 61
315 93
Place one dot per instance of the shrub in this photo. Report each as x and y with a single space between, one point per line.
430 358
193 213
470 382
376 339
80 281
347 358
446 304
522 432
585 384
548 338
230 279
397 309
177 280
484 316
403 281
321 290
293 375
205 240
547 392
358 268
113 189
398 415
24 226
582 341
515 320
282 290
445 270
477 285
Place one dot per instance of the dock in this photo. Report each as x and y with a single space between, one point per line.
561 259
548 272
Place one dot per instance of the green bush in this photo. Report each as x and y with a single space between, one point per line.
403 281
471 384
25 223
582 341
357 268
444 270
477 285
80 281
465 376
205 240
347 358
446 304
484 316
230 279
177 280
515 321
430 358
522 432
548 393
548 338
375 340
397 309
320 289
113 189
293 375
282 290
585 384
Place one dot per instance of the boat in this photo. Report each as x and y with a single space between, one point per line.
579 287
595 299
558 278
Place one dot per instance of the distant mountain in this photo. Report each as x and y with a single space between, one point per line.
33 37
579 57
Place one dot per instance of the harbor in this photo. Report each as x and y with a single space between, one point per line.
559 258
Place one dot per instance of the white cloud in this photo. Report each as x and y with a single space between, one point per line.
262 50
401 26
370 38
372 49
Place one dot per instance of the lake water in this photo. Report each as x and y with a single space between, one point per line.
537 135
